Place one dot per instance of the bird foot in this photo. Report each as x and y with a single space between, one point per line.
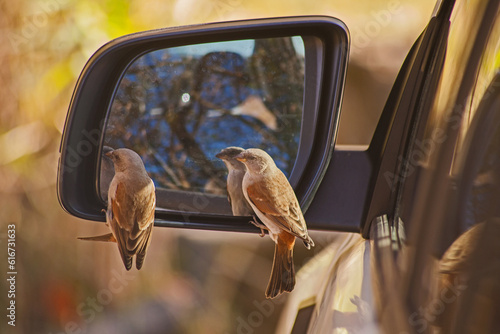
261 226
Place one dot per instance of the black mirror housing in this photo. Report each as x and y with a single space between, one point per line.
326 42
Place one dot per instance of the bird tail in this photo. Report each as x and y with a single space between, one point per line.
126 258
283 273
106 238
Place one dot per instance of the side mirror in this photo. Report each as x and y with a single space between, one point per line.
177 96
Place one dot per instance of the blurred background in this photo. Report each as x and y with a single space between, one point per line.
192 281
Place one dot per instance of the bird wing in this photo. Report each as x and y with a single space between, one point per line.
145 222
145 212
119 223
132 223
276 200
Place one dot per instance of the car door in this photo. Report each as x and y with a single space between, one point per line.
430 284
414 213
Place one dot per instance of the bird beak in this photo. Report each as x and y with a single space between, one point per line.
219 155
109 154
241 157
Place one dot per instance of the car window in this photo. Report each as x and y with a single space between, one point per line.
457 188
443 118
488 70
476 198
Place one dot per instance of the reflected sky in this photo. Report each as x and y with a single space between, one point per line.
244 47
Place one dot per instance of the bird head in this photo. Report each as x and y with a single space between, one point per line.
255 159
229 154
123 159
107 149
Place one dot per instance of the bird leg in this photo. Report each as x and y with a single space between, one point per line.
259 225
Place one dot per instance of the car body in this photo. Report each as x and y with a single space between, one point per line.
418 208
429 255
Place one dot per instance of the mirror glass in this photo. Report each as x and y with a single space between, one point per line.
178 107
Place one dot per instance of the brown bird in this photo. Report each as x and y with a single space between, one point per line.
236 172
272 198
131 207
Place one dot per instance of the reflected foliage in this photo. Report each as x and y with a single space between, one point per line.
177 108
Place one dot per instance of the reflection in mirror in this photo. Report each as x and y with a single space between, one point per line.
178 107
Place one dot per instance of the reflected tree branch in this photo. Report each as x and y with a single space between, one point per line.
168 170
261 130
178 127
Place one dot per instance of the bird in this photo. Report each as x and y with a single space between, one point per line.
273 200
131 207
236 171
